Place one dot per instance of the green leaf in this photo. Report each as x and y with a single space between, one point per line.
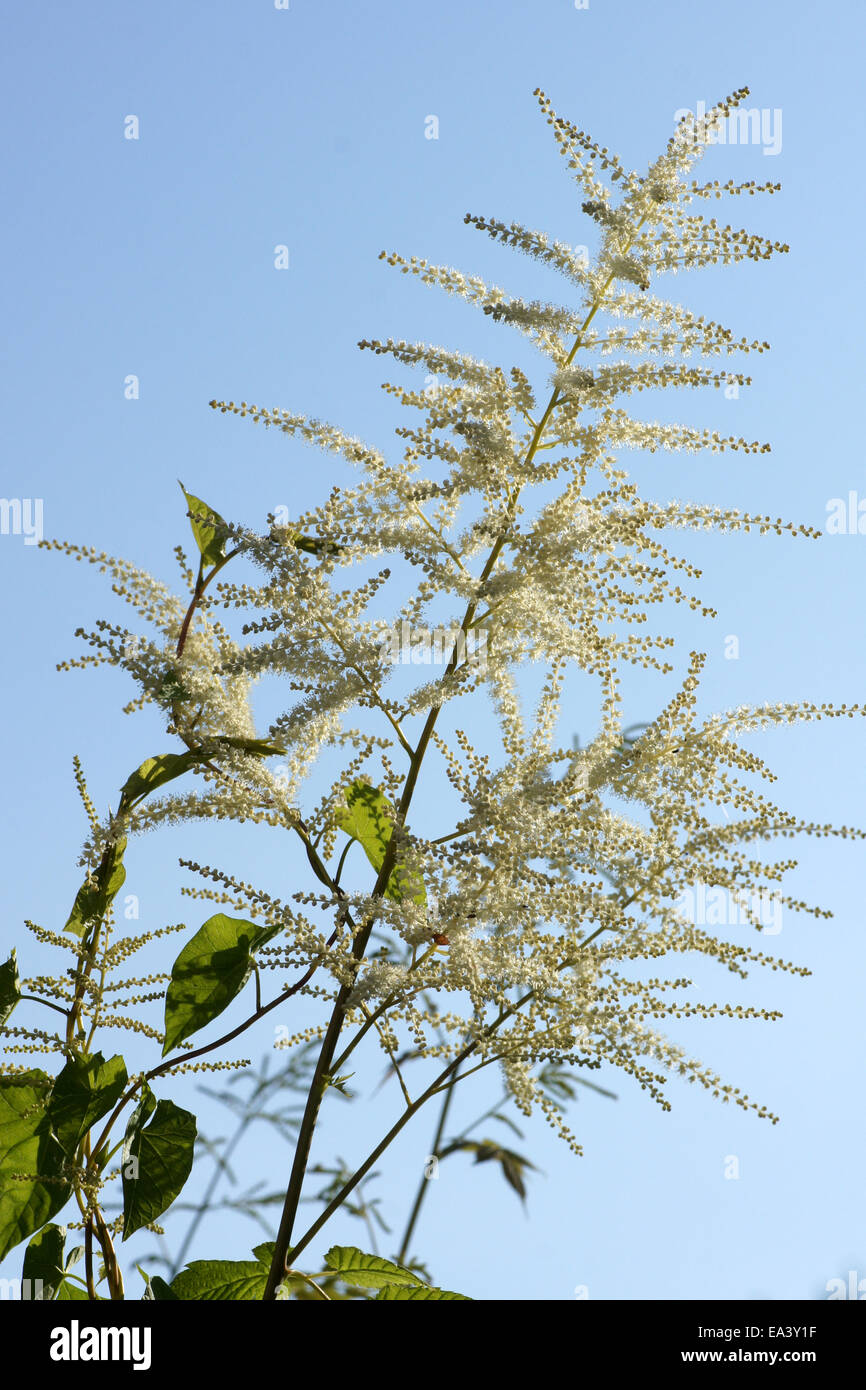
156 1290
85 1090
512 1164
72 1292
558 1082
368 1271
161 1292
217 1280
98 892
339 1083
10 986
43 1261
398 1293
562 1085
139 1117
512 1170
208 538
209 973
30 1157
368 817
157 1160
506 1120
154 772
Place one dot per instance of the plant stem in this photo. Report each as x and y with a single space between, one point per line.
88 1258
35 999
425 1181
112 1268
201 584
365 1167
308 1279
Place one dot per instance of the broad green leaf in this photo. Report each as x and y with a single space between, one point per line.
368 818
209 973
43 1262
85 1090
29 1157
129 1167
209 540
96 894
72 1292
219 1280
10 986
160 1291
396 1293
155 772
157 1160
368 1271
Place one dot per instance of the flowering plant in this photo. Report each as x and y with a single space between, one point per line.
530 934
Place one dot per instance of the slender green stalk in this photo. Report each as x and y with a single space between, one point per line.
308 1279
365 1167
88 1258
425 1181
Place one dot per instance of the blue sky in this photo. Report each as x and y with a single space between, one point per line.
154 257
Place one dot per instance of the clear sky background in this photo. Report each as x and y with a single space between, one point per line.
155 257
